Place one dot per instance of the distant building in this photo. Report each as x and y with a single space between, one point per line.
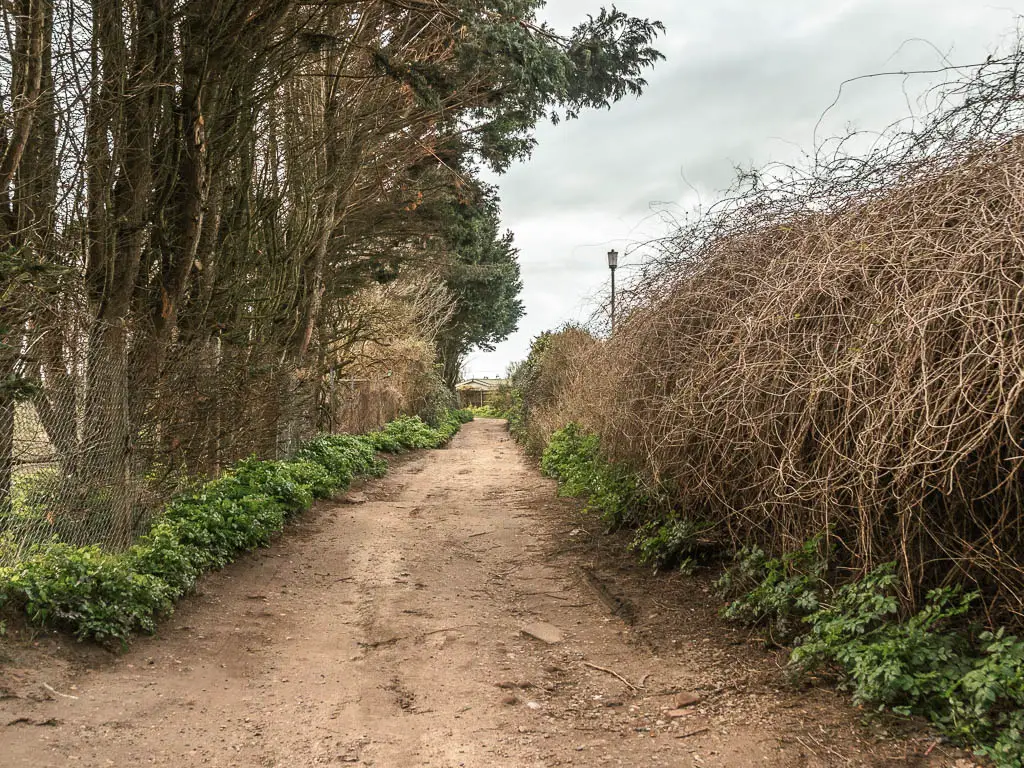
477 392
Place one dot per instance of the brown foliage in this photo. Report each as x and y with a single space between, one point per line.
842 351
553 384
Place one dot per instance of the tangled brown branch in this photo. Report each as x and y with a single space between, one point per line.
842 349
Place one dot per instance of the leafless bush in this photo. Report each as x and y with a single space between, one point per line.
842 348
553 384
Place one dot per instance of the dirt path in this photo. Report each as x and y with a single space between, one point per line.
386 632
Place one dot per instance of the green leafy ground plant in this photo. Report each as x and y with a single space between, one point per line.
106 596
573 458
676 543
778 592
663 539
487 412
932 663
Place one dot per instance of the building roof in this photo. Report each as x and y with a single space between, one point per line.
481 385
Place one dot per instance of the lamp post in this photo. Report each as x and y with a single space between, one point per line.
613 262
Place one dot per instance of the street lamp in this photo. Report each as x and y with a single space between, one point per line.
613 262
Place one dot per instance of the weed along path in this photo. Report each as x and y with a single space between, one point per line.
454 613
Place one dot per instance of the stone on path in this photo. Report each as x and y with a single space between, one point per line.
684 700
541 630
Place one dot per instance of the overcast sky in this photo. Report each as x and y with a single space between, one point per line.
744 82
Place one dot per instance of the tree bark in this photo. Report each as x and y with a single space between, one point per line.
6 443
30 41
123 107
26 79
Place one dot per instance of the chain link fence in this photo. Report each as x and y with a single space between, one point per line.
94 449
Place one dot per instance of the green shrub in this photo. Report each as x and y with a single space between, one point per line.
909 665
675 543
928 664
405 434
412 433
573 458
987 701
166 554
856 613
252 477
344 457
92 593
487 412
775 592
218 527
312 475
449 426
106 596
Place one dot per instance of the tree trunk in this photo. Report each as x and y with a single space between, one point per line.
123 108
57 406
35 202
189 184
6 443
451 364
31 38
26 69
105 497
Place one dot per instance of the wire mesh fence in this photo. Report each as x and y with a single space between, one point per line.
94 450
